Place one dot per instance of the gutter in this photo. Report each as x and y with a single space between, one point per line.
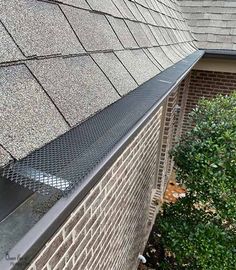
219 53
163 84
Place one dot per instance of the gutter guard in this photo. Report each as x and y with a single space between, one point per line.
117 124
62 164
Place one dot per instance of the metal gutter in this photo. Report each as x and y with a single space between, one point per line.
11 199
220 53
36 238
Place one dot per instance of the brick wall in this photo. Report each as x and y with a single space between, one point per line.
165 163
108 228
206 84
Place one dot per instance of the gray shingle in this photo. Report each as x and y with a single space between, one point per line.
150 4
170 54
76 85
28 117
169 22
8 49
105 6
149 34
39 28
76 3
177 51
133 8
139 34
173 35
161 57
163 8
211 17
151 57
157 34
122 32
157 17
190 47
123 8
4 157
146 14
164 20
138 64
182 49
142 2
116 72
156 5
165 35
93 29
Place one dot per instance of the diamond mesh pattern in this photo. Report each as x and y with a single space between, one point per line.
63 163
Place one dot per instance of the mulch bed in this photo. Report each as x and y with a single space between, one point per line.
155 253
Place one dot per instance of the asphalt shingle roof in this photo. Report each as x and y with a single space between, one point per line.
133 8
161 57
149 34
116 72
76 85
105 6
39 28
124 10
138 64
62 61
123 33
139 34
93 29
8 49
75 3
212 22
28 117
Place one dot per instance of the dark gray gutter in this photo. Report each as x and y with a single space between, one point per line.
162 85
220 53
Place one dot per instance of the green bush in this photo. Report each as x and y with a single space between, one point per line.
200 229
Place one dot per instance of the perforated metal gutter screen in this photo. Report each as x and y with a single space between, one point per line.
64 163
